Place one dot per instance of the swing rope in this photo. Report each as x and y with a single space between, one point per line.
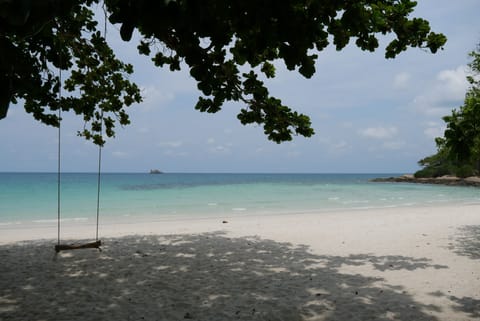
59 172
99 180
101 134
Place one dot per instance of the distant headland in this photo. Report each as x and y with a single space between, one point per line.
441 180
155 171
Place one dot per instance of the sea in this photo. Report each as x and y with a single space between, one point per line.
38 198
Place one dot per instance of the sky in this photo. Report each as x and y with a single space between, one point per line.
370 115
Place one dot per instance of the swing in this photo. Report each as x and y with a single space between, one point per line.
97 243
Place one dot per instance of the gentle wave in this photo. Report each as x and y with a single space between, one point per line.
10 223
74 219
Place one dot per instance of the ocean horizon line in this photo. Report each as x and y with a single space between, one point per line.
206 172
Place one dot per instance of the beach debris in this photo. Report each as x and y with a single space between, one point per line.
140 253
187 316
224 222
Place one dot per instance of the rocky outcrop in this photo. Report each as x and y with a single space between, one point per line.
443 180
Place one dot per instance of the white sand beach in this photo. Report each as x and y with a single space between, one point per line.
413 263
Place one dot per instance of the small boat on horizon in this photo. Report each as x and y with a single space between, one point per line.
155 171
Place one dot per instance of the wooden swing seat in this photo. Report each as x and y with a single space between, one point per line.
66 247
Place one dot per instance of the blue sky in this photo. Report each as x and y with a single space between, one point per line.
370 115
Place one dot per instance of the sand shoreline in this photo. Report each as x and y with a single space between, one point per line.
416 263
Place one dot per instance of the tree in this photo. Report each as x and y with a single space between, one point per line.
459 149
226 45
39 37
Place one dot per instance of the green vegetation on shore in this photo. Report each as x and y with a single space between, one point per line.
458 151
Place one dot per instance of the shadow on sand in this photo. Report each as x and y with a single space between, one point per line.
199 277
467 241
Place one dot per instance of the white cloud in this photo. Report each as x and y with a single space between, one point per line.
444 94
174 153
120 154
401 80
293 154
220 149
434 130
379 132
172 148
335 147
385 137
153 96
172 144
160 88
394 145
454 81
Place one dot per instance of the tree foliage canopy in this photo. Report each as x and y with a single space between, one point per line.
459 149
228 47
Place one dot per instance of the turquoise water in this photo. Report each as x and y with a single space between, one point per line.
32 197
